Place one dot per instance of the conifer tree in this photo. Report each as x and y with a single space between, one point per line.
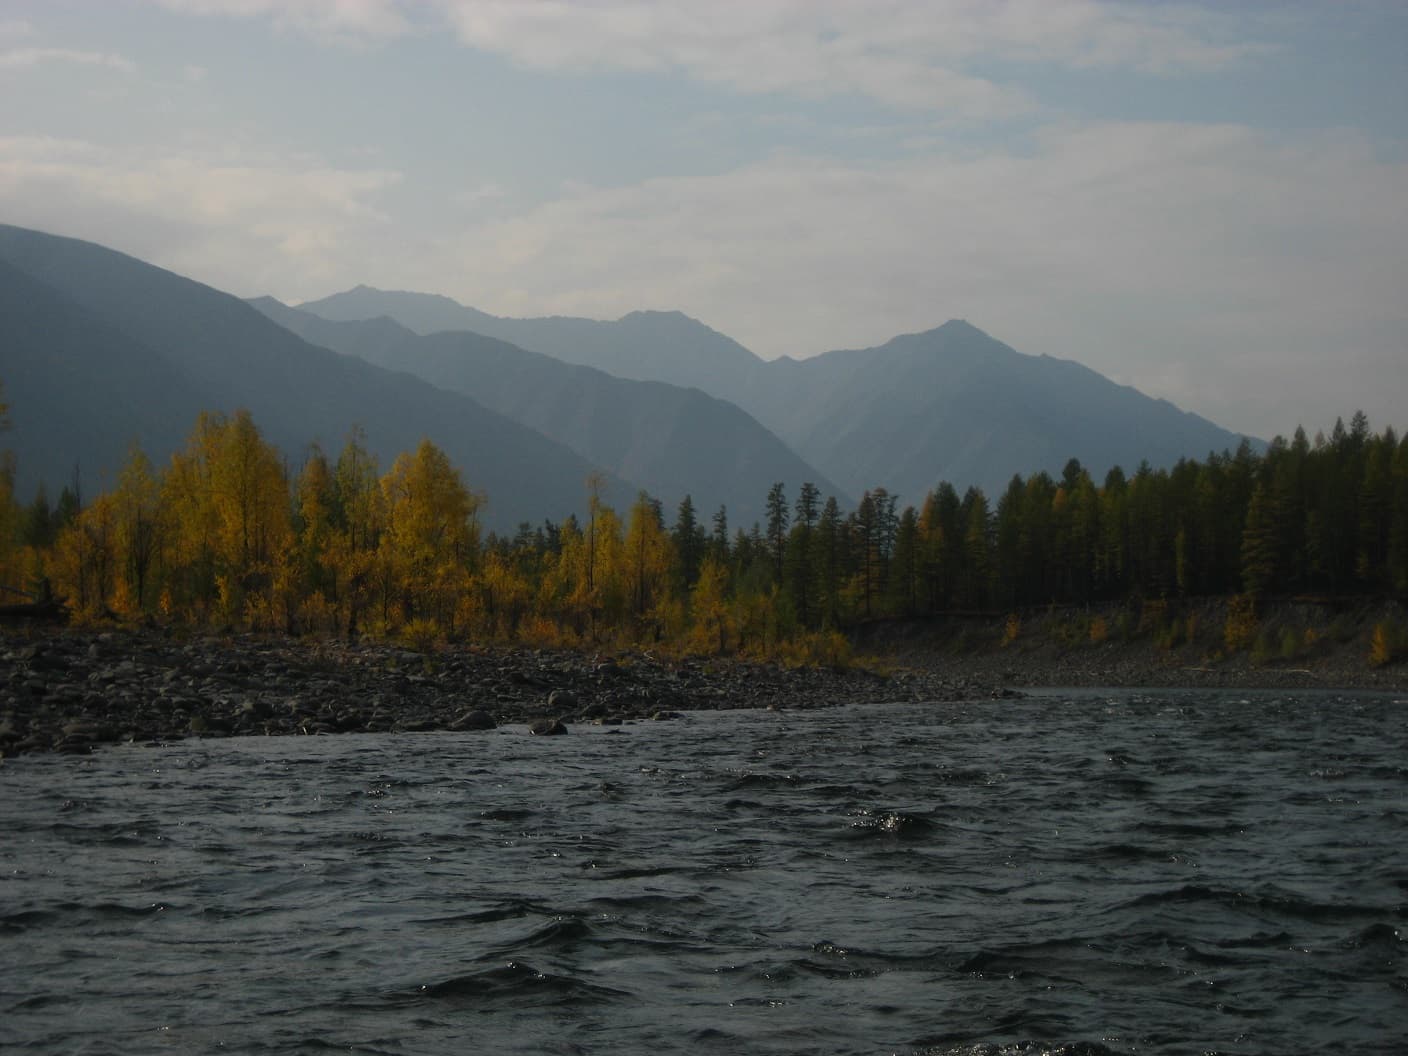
1259 544
777 529
689 542
718 538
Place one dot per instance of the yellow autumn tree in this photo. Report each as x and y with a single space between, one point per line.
609 571
649 560
188 498
251 501
709 607
589 577
86 558
141 534
228 499
309 578
505 596
431 537
358 515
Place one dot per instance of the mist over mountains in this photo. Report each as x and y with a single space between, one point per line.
949 404
668 439
642 346
99 350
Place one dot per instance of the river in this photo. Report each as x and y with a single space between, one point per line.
1077 872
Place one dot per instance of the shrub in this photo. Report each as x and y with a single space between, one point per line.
1388 643
1290 644
817 649
1099 630
1011 629
420 634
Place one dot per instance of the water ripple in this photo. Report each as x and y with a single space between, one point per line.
1074 875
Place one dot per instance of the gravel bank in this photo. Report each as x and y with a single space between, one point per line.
71 691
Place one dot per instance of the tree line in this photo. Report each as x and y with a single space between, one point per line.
227 535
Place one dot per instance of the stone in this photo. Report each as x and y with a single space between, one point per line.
547 727
478 719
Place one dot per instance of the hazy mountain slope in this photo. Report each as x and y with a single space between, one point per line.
670 440
954 404
949 404
297 392
367 339
80 391
645 346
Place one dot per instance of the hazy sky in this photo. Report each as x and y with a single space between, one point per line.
1206 201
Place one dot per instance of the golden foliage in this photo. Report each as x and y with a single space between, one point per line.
1011 629
1387 643
1099 630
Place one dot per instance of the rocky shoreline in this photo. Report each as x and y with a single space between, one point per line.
73 691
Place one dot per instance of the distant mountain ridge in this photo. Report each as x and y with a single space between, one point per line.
669 439
99 349
951 403
641 346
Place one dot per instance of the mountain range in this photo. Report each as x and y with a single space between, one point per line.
99 350
949 404
668 439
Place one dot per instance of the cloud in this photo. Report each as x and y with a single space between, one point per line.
904 53
15 29
334 20
1253 278
1267 269
910 54
24 58
236 225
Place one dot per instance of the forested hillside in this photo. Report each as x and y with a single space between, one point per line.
228 535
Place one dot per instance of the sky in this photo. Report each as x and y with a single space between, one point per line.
1206 201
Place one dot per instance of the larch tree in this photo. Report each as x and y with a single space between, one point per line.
358 514
142 531
251 501
432 534
650 556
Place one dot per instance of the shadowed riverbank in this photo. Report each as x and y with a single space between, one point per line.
71 691
74 690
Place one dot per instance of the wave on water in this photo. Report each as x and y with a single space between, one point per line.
518 985
1084 875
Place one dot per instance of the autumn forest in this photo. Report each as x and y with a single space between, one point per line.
230 535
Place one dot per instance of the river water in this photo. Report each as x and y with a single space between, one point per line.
1081 872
